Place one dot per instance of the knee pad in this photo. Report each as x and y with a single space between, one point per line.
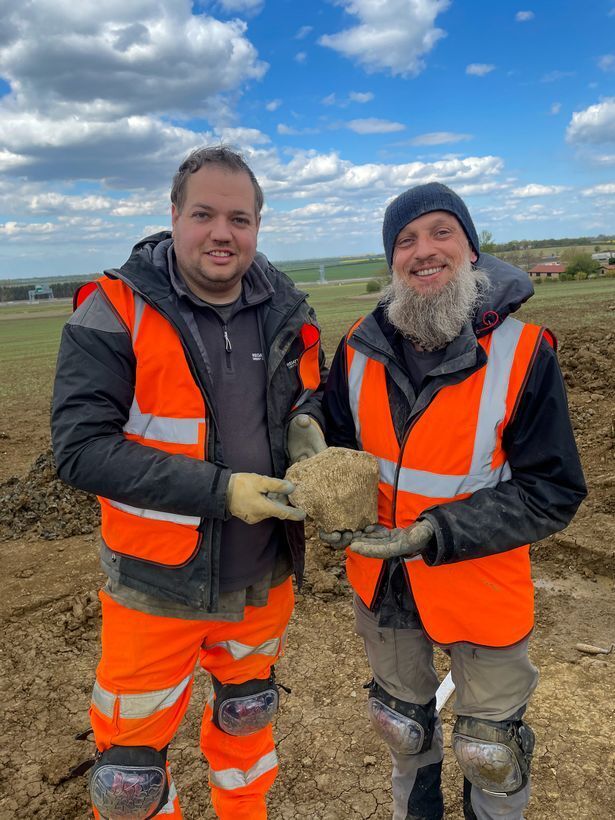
494 756
129 782
407 728
245 708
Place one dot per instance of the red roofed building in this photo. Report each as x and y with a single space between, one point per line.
548 270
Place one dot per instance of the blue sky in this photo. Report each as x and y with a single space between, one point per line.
338 105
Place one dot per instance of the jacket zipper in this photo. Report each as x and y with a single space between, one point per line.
228 347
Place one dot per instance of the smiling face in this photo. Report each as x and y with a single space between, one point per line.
429 251
215 233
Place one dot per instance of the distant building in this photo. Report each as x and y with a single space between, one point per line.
548 270
606 269
39 292
603 256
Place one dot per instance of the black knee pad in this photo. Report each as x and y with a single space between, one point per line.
245 708
495 756
129 782
407 728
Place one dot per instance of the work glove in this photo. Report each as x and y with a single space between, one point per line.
384 543
254 497
340 539
304 438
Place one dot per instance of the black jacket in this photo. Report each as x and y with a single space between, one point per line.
547 483
93 393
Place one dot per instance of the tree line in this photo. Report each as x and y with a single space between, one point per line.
19 293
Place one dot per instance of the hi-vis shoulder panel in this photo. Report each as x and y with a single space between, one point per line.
168 413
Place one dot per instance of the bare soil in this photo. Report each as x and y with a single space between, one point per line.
332 766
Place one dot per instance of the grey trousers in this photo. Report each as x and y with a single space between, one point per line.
492 684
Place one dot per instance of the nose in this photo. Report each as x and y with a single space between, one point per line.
423 247
220 229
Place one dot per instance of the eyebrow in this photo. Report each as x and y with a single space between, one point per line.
235 212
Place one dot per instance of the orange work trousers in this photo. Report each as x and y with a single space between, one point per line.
144 681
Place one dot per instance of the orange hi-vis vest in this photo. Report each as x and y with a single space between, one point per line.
450 451
168 412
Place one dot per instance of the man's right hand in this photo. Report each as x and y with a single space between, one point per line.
247 498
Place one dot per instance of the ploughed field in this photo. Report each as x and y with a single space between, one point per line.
332 767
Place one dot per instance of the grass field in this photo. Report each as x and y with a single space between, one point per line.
30 334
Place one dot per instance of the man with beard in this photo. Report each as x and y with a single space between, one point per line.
465 408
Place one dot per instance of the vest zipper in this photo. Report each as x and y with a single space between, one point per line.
402 447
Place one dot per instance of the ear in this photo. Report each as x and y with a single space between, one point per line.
473 256
174 215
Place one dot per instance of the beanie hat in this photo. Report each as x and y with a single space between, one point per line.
422 200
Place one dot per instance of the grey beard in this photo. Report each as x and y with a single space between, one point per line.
432 320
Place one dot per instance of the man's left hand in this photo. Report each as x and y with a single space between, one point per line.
383 543
304 439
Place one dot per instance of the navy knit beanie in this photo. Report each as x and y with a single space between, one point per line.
422 200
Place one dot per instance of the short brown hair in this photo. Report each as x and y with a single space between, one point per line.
220 155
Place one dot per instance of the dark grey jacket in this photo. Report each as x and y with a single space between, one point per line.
547 483
92 396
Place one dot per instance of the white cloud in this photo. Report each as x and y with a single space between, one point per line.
391 35
524 16
303 32
439 138
361 96
300 57
273 105
535 189
372 125
15 230
242 137
290 131
479 69
556 107
554 76
606 189
242 6
92 60
127 152
607 62
52 202
595 124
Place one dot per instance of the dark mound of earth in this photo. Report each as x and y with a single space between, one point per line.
41 504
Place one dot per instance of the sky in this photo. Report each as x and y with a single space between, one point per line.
337 105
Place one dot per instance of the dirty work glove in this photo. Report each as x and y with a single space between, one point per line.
304 438
385 543
340 539
247 498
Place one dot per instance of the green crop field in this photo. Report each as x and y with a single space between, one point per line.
30 334
339 270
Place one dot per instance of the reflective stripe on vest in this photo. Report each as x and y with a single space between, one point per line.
163 383
492 408
138 706
236 778
485 601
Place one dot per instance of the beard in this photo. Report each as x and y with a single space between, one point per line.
431 320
